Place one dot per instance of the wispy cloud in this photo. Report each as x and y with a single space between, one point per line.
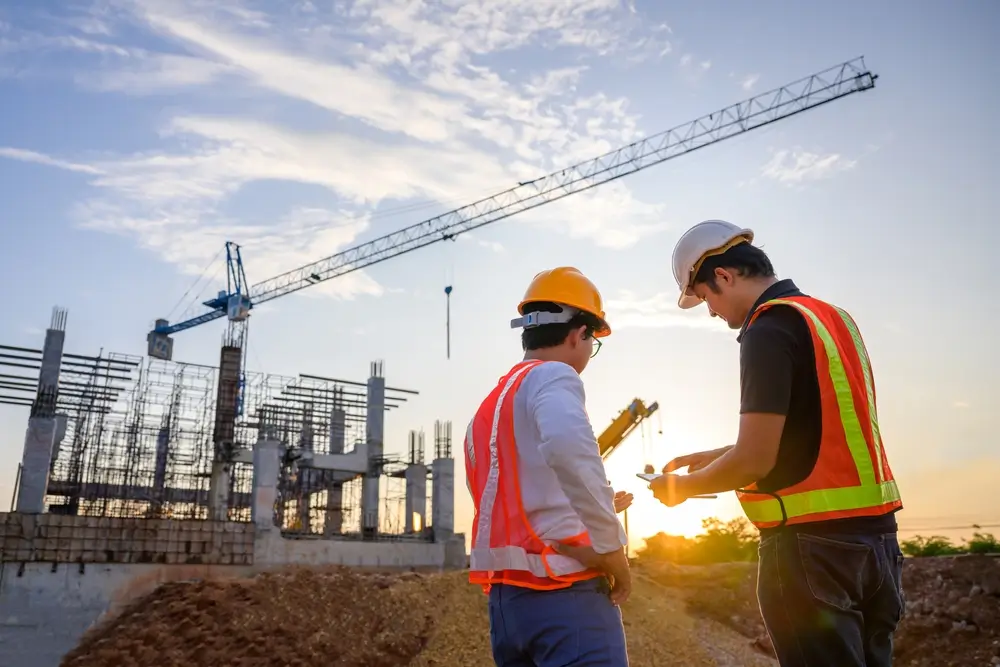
749 81
407 102
23 155
960 405
796 166
629 310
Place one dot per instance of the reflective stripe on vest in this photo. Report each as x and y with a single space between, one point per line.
515 554
819 497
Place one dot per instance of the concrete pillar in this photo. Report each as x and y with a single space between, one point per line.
375 427
160 464
443 499
416 497
334 521
226 408
40 438
266 466
62 423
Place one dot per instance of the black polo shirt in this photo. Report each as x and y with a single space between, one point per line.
778 376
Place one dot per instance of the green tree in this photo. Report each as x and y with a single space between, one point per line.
721 542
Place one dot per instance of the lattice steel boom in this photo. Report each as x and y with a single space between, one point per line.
788 100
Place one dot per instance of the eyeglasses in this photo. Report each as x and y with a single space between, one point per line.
597 347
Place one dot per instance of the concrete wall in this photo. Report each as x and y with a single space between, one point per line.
46 607
61 574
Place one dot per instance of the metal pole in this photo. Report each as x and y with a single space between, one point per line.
447 320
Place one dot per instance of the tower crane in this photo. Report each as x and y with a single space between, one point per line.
789 100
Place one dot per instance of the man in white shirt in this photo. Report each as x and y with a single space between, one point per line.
543 503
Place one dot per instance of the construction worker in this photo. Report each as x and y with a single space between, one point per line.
808 466
540 490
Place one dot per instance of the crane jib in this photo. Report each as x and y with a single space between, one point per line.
759 111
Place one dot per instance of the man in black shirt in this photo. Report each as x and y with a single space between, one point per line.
808 465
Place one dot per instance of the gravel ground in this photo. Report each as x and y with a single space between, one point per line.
344 618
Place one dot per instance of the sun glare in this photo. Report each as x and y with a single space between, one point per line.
648 516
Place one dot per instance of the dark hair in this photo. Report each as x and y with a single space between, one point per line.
553 335
746 260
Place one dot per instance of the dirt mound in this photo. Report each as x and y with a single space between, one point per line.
952 606
294 618
343 618
952 612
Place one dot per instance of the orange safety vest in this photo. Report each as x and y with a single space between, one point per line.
851 477
505 548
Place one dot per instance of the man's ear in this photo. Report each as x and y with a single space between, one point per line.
723 275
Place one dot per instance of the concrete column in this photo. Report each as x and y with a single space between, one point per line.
416 497
443 504
226 407
266 466
375 427
334 521
160 464
43 426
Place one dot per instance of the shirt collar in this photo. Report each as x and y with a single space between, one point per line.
780 289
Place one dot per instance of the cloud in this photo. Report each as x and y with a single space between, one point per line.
793 167
389 101
960 405
23 155
146 74
658 311
749 81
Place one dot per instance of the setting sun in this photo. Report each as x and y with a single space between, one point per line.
647 516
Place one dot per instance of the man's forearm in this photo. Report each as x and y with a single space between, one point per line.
732 470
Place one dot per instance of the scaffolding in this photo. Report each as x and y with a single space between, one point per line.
142 435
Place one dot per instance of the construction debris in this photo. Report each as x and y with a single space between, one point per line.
346 618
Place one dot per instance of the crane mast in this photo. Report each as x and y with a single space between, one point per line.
784 102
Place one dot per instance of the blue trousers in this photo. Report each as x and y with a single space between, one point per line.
571 627
832 600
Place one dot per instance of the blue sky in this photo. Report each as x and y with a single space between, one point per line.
137 136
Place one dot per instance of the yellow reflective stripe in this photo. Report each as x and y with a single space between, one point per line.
767 510
853 433
859 345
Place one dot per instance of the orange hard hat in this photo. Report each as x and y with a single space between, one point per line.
566 286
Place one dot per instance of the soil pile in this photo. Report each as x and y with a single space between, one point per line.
345 618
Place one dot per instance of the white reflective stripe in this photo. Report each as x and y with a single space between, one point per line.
516 558
470 446
485 528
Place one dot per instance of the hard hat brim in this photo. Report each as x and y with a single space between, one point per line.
687 301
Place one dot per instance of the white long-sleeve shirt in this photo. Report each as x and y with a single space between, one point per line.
564 487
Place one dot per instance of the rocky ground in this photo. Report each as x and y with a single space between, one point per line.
690 616
952 607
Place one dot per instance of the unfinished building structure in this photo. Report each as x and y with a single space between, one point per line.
122 436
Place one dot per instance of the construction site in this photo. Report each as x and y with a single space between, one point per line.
172 513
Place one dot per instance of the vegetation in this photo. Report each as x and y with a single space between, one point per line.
920 546
721 542
736 541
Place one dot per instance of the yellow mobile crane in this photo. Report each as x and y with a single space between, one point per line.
620 428
623 425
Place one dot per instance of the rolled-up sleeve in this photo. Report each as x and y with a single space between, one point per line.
569 447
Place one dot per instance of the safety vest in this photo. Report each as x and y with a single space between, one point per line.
505 548
851 477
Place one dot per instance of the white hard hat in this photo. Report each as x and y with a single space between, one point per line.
708 238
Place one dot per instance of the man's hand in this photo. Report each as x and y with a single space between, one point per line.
669 489
622 501
613 564
695 462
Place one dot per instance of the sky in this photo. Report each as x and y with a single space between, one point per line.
137 136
